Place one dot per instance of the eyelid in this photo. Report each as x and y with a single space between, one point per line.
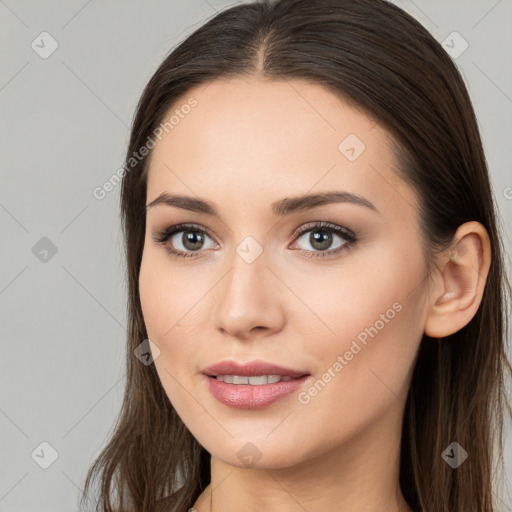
319 224
163 235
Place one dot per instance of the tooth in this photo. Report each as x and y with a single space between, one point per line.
240 379
256 380
260 379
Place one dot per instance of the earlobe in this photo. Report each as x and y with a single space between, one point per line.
461 276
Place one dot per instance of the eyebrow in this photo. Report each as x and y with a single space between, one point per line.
279 208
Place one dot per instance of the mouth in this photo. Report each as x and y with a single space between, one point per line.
253 391
255 380
252 385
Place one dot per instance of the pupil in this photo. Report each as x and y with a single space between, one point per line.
192 240
322 238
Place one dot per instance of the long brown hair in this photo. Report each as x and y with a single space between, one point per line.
381 60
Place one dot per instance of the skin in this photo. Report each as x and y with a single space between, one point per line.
248 143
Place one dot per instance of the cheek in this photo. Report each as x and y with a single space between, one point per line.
159 309
162 296
367 297
173 320
364 367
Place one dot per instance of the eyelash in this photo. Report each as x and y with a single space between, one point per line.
350 238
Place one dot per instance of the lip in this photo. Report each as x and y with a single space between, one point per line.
251 369
247 396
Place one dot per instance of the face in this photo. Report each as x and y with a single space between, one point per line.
334 289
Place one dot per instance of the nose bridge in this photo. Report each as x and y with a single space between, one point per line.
250 253
247 299
246 280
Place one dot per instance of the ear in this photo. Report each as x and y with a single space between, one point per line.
459 282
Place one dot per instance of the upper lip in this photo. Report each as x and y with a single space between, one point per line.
251 369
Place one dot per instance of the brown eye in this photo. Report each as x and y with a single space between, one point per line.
321 237
183 239
192 240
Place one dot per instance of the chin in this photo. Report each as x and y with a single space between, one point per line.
256 454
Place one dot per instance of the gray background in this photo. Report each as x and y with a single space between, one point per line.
64 130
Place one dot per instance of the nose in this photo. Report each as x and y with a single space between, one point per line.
249 301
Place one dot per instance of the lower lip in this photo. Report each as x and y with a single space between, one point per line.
247 396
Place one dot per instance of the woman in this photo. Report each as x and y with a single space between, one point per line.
317 300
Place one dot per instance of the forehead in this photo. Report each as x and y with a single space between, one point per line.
251 141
